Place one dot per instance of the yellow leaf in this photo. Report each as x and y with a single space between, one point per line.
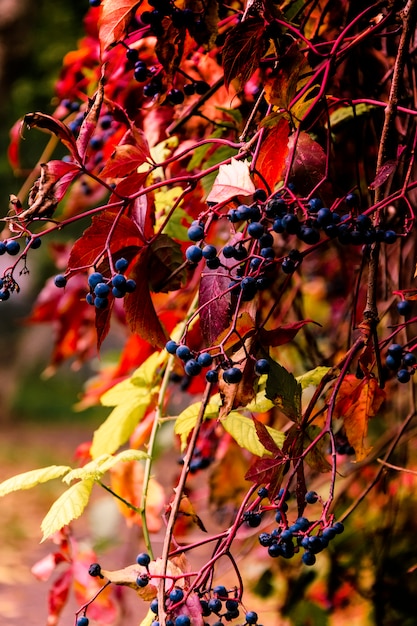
139 384
243 431
186 420
99 466
148 619
260 404
120 424
313 377
30 479
68 507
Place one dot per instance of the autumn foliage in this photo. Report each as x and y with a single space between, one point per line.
241 182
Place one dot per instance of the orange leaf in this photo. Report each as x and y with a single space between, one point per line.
273 153
358 400
116 15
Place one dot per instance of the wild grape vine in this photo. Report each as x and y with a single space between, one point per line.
247 175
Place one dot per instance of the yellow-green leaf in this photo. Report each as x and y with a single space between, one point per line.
30 479
260 404
139 384
148 619
68 507
99 466
313 377
120 424
243 431
186 420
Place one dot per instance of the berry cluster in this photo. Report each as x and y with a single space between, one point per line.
401 361
285 539
101 289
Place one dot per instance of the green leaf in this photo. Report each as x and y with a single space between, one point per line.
30 479
243 431
120 424
313 377
284 391
68 507
186 420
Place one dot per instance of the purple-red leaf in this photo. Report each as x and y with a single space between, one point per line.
283 334
243 49
309 164
89 124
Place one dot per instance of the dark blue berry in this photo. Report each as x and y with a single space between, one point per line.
308 558
176 595
274 550
183 353
233 216
215 605
4 295
404 307
248 287
213 264
60 281
255 230
302 522
315 204
251 617
311 497
121 265
83 621
390 236
117 293
132 55
175 96
89 298
143 559
395 350
253 519
278 226
192 368
265 539
130 285
229 252
403 376
205 611
267 253
232 375
329 533
154 606
212 376
100 303
288 266
315 544
94 279
231 605
338 528
171 346
2 248
209 252
291 223
94 3
195 233
220 591
194 254
409 359
102 290
263 492
201 87
34 242
12 247
204 359
262 366
352 200
119 281
260 195
142 580
182 620
189 89
309 235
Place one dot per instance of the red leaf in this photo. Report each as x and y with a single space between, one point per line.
13 149
273 153
89 124
131 184
283 334
266 439
140 311
383 173
215 300
49 123
58 596
269 472
243 50
92 244
125 159
309 165
116 16
103 317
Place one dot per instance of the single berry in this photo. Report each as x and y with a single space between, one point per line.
338 528
395 350
390 236
315 204
232 375
215 605
121 265
311 497
95 570
100 303
154 606
89 298
142 580
409 359
205 608
209 252
302 522
143 559
229 252
329 533
288 266
267 253
176 595
194 254
83 621
315 544
220 591
403 376
192 368
260 195
291 223
213 264
60 281
101 290
94 3
171 346
212 376
255 230
132 55
2 248
231 605
130 285
201 87
308 558
253 519
34 242
4 295
204 359
404 307
265 539
274 550
263 492
12 247
94 279
119 281
195 232
352 200
262 366
251 617
182 620
189 89
183 353
266 241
